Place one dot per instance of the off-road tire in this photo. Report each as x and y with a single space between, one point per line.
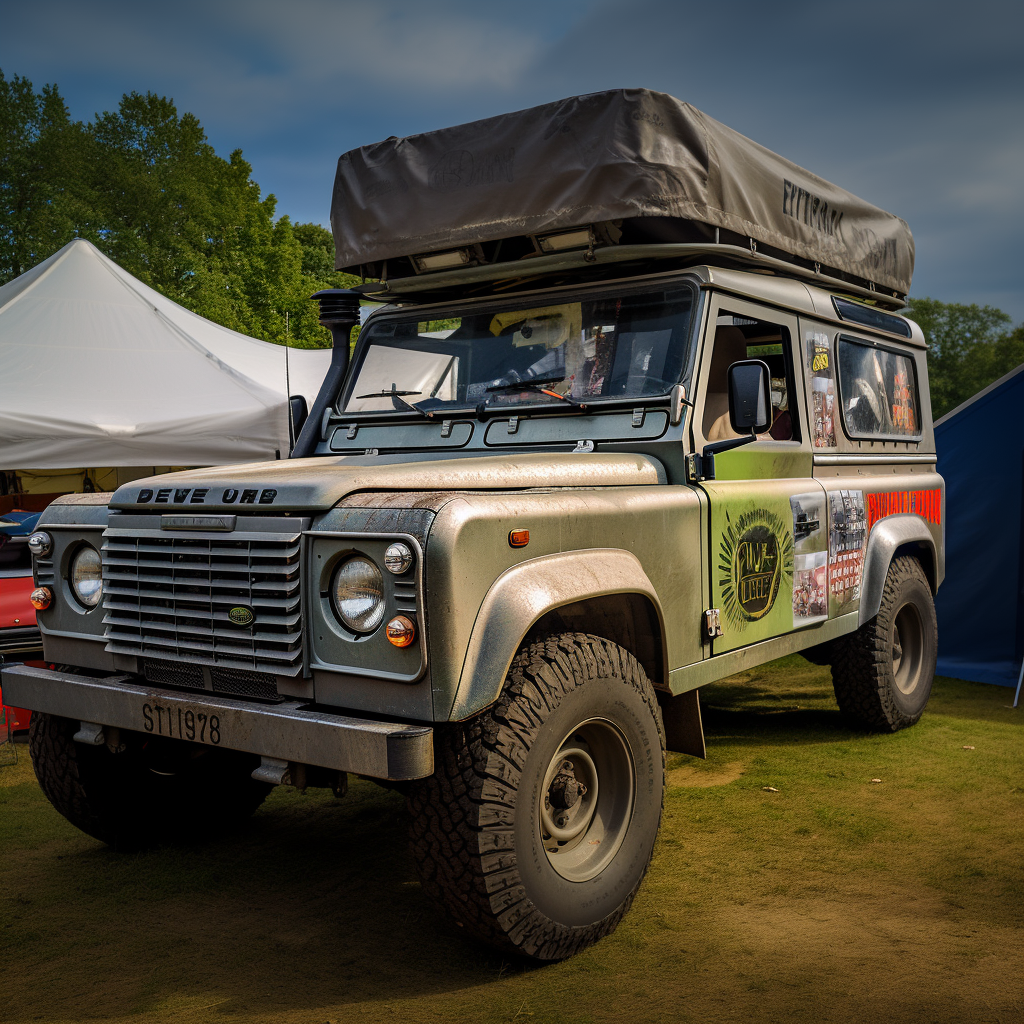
151 792
477 834
882 674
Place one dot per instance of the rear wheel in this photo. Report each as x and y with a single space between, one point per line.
882 674
538 824
152 791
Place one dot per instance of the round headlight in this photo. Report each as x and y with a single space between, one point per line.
87 576
359 594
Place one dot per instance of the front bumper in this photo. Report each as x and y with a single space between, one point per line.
283 732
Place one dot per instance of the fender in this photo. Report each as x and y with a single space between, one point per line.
521 595
887 536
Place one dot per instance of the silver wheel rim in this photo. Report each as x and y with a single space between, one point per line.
907 649
587 800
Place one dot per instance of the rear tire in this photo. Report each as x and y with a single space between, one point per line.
154 791
882 674
538 824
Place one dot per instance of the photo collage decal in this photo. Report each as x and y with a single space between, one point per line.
810 559
823 394
847 535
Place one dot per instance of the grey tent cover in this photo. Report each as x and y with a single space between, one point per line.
602 157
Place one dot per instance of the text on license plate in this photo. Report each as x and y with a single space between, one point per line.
180 724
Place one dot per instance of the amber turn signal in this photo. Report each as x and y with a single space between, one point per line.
401 631
41 598
518 538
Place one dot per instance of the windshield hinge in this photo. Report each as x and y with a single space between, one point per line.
353 429
638 417
513 424
446 428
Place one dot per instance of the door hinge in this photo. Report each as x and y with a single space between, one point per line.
712 624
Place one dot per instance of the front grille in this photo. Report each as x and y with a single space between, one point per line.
246 684
166 596
173 673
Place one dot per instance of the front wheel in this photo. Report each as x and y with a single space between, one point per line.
151 791
538 824
882 674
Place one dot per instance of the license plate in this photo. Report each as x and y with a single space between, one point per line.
181 723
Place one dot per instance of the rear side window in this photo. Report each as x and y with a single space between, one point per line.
878 390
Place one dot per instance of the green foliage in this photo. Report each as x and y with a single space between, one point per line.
144 185
970 346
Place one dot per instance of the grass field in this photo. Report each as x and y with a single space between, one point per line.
836 898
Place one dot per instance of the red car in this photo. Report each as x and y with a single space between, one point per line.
19 634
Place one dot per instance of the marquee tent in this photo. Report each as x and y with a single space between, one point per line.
97 369
980 604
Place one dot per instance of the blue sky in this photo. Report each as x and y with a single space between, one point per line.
916 107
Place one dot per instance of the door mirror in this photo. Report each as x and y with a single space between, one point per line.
297 412
750 400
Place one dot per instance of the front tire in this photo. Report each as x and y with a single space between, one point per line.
153 791
882 674
538 824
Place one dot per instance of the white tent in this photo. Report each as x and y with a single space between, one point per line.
97 369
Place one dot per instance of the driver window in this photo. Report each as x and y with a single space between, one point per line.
736 338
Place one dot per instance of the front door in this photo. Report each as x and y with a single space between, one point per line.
768 529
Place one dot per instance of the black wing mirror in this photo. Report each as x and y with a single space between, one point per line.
750 410
750 399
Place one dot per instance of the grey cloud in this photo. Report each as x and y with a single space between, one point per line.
918 107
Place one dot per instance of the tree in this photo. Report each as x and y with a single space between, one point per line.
44 201
969 347
144 184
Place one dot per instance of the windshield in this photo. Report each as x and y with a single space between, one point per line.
617 347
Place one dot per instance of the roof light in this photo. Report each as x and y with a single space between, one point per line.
580 239
442 260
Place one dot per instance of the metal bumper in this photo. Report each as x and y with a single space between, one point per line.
284 732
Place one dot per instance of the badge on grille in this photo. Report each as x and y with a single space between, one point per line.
241 616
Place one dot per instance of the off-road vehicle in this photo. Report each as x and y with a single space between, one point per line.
637 413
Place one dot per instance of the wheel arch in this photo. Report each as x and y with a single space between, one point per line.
889 538
602 591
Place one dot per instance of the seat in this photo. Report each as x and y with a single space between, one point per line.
730 346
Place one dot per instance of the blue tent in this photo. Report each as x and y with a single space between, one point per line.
981 602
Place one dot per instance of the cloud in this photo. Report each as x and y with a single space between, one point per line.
918 107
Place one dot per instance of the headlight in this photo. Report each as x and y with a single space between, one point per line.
359 594
87 576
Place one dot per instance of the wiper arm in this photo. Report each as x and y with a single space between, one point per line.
396 398
534 382
534 385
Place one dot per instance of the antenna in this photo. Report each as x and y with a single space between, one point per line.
288 389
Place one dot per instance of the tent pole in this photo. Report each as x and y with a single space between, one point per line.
1020 679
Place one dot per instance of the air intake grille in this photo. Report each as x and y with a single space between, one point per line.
167 596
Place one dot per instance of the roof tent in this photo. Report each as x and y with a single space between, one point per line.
608 169
980 604
97 369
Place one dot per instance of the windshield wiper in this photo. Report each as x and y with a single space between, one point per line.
396 398
534 385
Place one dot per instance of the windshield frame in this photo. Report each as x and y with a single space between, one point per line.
554 295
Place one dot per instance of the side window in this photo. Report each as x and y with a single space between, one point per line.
740 337
878 390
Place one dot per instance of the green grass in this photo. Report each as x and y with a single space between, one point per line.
835 898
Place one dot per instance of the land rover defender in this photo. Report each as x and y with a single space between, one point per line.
637 411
